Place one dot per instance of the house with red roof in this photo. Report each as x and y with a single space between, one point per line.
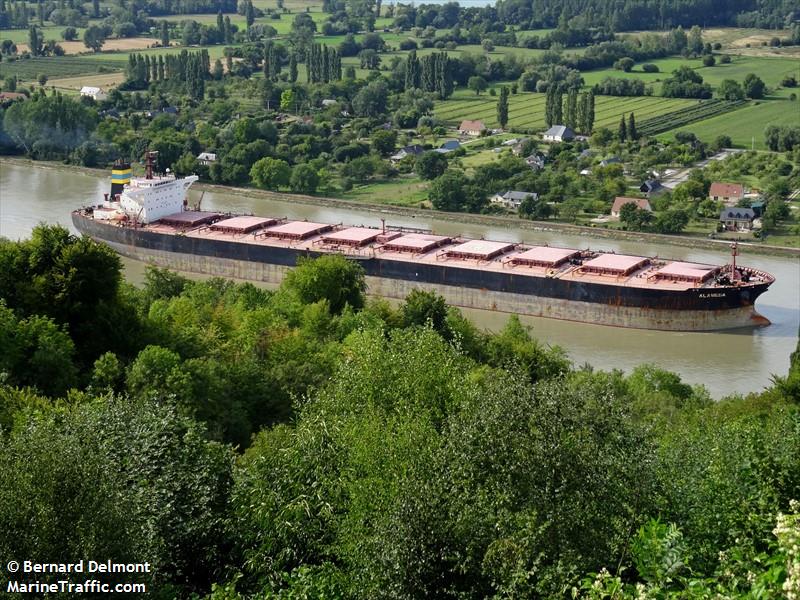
727 193
621 201
468 127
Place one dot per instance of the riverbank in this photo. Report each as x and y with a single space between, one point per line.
467 218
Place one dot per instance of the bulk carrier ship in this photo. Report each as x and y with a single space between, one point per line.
147 218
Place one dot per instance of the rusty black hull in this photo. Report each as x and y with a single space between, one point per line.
669 309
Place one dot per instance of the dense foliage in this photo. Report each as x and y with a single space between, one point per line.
309 443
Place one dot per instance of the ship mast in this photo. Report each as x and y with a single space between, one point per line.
148 165
734 254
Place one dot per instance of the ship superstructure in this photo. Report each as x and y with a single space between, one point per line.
143 200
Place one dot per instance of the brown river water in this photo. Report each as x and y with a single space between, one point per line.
737 361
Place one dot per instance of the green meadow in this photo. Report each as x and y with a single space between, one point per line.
746 125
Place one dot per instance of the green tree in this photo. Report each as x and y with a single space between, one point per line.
754 86
164 34
447 191
430 165
730 90
371 100
632 133
304 179
94 37
270 173
383 141
477 84
334 279
37 353
288 100
35 40
502 107
622 131
635 218
149 481
249 13
426 309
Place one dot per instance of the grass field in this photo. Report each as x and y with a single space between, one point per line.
406 191
771 70
526 111
747 124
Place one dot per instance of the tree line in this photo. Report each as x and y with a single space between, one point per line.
575 111
312 442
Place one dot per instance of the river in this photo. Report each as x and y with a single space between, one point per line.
727 362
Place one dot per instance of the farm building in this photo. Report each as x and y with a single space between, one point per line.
737 219
406 151
651 187
468 127
448 146
95 93
512 199
10 96
612 160
535 162
206 158
558 133
727 193
621 201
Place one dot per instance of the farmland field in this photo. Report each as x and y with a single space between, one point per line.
771 70
526 111
747 124
60 67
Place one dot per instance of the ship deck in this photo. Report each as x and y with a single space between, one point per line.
421 247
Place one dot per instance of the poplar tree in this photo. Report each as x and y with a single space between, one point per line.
623 130
558 114
221 25
228 30
249 13
548 106
632 133
502 107
589 117
570 117
412 71
164 34
293 67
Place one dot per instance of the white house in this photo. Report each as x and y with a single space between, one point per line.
93 92
206 158
512 199
558 133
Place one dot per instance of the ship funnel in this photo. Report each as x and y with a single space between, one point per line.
120 176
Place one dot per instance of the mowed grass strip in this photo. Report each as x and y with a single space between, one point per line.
745 126
527 110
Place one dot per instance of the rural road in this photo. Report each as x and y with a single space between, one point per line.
672 180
